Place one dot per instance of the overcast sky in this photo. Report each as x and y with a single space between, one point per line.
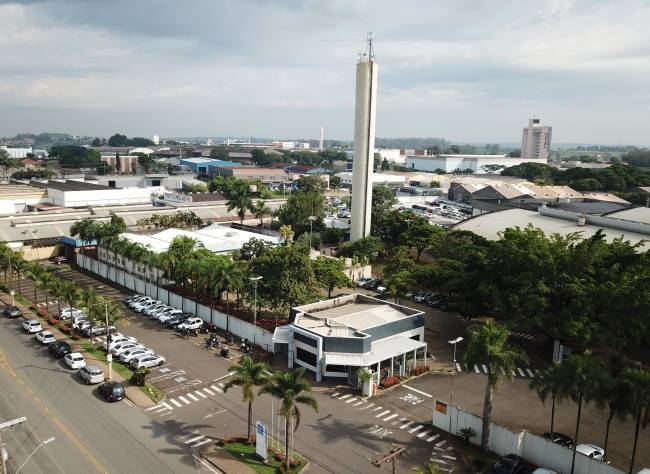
465 70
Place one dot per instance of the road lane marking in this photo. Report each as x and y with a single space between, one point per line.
353 399
207 390
359 403
375 409
192 397
216 389
521 372
194 439
418 391
390 417
484 368
77 443
440 443
417 428
383 413
476 369
184 400
398 421
343 397
152 408
367 406
166 405
406 425
458 367
201 394
435 436
201 443
336 394
530 372
175 403
424 433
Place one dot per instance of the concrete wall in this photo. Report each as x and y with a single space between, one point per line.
236 326
532 448
102 197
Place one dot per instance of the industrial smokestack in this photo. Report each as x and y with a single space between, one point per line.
322 137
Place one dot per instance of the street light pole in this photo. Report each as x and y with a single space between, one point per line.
453 372
311 224
109 356
42 443
255 279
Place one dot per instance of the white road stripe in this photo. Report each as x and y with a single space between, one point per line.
440 443
405 425
194 439
424 433
336 394
216 389
166 405
503 371
521 372
175 403
446 456
378 408
418 391
435 436
152 408
476 369
530 372
458 367
417 428
484 368
207 390
192 397
353 399
383 413
367 406
221 384
343 397
184 400
390 417
201 394
359 403
514 374
201 443
398 421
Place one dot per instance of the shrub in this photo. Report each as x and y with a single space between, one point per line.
421 370
467 433
42 312
65 329
139 376
52 321
389 381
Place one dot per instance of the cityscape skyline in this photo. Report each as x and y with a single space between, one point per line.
137 68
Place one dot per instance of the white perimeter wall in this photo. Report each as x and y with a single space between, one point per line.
450 164
103 197
532 448
236 326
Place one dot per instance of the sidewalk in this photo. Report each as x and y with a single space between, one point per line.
133 393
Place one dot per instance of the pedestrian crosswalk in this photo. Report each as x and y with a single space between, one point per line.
180 401
195 439
422 431
520 372
522 335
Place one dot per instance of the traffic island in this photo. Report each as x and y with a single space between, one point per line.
237 456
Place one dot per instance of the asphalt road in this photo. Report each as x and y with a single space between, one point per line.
90 434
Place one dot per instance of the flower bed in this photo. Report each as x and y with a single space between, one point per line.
42 312
389 381
52 321
420 370
65 329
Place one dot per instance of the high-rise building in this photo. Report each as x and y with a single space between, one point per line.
156 140
536 140
364 143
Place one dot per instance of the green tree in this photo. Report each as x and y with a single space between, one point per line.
247 375
639 380
292 389
370 247
145 161
261 210
6 163
219 153
488 345
421 235
33 273
260 158
552 383
330 274
118 140
241 201
399 283
70 293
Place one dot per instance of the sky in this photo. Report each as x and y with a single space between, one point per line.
464 70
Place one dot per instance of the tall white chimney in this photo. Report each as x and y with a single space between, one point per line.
322 137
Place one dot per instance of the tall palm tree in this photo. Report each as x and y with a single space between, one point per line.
33 273
89 301
20 266
488 345
44 281
86 229
248 374
240 200
70 293
292 389
639 379
286 232
584 372
552 383
261 210
56 290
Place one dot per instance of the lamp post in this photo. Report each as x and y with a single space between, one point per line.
255 279
454 342
42 443
311 225
109 356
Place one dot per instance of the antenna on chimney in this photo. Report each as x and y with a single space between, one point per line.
371 51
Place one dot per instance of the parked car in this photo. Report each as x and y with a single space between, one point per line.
381 287
69 313
361 282
559 438
371 284
138 299
541 470
510 464
45 337
11 311
191 323
146 361
74 360
421 297
60 259
130 298
118 350
129 354
591 450
96 330
91 374
111 391
164 317
140 306
32 326
81 325
156 307
60 349
160 311
118 338
178 319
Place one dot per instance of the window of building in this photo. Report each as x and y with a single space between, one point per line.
336 368
304 339
306 357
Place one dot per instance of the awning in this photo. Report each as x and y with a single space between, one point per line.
281 334
381 350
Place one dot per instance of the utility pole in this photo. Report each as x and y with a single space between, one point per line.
3 451
390 457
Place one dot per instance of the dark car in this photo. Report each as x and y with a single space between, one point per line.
60 259
111 391
60 349
12 311
372 285
176 320
510 464
559 438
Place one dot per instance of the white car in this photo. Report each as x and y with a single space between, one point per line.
160 311
74 360
129 354
32 326
153 308
45 337
119 339
146 361
362 281
68 313
124 347
141 300
142 307
169 315
91 374
191 323
591 450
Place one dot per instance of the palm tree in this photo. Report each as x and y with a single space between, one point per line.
33 273
488 345
248 374
584 373
86 229
551 383
56 289
69 293
20 266
44 281
286 233
292 389
261 210
240 199
639 380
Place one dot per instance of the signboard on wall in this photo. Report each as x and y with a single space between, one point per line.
441 407
261 434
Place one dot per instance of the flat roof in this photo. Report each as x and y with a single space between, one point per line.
348 315
71 185
635 214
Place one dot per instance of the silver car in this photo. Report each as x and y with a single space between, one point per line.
91 374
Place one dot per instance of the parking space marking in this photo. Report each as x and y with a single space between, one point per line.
530 372
458 367
201 394
390 417
521 372
406 425
353 399
166 405
343 397
205 441
398 421
361 402
476 369
424 433
367 406
485 370
375 409
432 438
418 391
336 394
383 413
417 428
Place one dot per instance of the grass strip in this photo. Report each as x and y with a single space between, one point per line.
245 453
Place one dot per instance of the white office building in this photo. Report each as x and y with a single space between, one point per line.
536 140
451 163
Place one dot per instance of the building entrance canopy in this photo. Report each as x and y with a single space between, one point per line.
381 350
